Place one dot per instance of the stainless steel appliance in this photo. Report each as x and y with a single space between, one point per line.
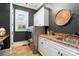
35 32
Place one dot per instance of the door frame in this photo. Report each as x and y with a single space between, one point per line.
11 24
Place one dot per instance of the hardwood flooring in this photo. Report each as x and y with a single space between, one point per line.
22 51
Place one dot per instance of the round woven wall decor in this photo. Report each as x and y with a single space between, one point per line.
62 17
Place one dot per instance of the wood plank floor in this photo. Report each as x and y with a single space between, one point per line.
22 51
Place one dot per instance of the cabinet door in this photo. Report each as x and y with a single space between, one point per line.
61 51
51 50
41 46
46 17
46 49
36 19
41 17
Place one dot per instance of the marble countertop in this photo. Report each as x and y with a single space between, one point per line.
57 38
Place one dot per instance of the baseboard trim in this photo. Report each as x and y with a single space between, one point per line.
20 43
5 52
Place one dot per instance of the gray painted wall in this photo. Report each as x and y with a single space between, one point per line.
5 21
73 25
21 36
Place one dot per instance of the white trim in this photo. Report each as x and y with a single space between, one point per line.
5 52
20 43
11 25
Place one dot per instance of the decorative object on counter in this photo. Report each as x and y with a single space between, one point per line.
71 40
2 32
48 32
62 17
77 33
53 33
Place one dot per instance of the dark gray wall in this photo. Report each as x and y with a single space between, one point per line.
73 25
5 21
21 36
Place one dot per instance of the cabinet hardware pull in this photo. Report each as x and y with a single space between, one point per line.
41 42
61 54
58 52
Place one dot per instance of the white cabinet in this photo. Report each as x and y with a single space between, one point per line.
45 48
41 17
63 53
50 48
41 46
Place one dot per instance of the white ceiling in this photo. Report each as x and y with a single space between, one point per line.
35 6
